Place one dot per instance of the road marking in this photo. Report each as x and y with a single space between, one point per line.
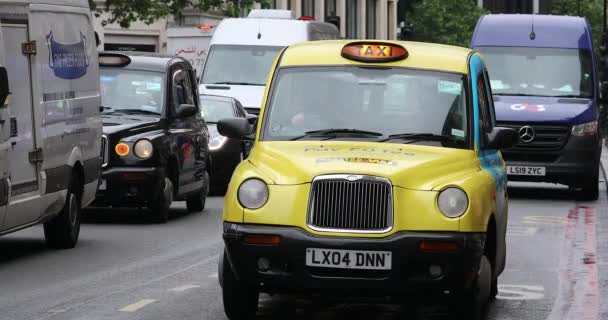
137 305
185 288
544 219
520 292
521 231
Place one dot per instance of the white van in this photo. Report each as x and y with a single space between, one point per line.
242 51
50 127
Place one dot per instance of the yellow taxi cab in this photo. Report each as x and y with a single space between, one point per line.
376 171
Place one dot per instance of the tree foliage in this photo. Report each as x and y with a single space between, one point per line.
592 9
125 12
444 21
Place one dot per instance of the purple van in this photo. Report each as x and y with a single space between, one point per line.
545 85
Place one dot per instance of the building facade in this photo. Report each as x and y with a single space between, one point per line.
517 6
358 19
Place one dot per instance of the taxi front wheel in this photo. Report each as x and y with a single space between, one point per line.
240 300
472 304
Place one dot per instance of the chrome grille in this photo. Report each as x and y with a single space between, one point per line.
351 203
104 151
547 137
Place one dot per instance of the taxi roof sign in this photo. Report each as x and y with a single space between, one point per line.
364 51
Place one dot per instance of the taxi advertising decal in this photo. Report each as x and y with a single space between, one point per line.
357 160
374 52
322 149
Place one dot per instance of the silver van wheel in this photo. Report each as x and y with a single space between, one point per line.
63 231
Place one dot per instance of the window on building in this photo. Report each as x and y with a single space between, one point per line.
330 8
370 20
288 4
308 8
351 19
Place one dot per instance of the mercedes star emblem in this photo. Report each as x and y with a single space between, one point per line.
526 134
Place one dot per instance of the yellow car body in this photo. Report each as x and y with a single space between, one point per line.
416 175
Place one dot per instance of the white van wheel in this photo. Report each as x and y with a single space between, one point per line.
62 232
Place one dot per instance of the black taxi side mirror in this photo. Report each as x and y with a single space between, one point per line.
186 110
4 87
252 118
501 138
237 128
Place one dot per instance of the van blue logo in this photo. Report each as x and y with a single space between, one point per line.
68 61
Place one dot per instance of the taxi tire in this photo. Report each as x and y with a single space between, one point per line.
62 232
240 301
160 205
472 303
196 203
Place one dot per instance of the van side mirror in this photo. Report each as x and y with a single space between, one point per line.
604 92
501 138
186 110
237 128
4 87
97 40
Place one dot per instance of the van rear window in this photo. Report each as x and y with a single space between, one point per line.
547 72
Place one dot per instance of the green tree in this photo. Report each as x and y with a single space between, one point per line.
592 9
444 21
125 12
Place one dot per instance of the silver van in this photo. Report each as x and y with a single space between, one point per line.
242 51
50 125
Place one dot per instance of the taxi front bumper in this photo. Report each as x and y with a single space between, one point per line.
409 273
129 186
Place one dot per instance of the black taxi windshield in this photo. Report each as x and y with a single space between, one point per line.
132 91
374 103
239 64
548 72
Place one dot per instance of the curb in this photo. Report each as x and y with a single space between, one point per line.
604 162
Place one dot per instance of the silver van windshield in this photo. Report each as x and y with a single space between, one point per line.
239 64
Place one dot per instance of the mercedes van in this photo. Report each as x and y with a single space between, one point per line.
545 84
50 126
242 51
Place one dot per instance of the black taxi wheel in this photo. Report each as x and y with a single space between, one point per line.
196 203
240 300
471 304
62 232
161 205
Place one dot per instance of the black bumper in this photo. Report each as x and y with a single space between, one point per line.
408 275
130 186
573 165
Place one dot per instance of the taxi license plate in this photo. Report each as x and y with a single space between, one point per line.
348 259
526 171
103 185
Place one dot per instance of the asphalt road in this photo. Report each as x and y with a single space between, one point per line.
125 267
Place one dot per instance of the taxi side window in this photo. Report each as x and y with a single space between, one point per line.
485 122
182 89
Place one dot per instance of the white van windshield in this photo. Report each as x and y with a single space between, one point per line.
239 65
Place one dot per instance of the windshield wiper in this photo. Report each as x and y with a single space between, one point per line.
239 83
338 131
415 137
105 108
136 111
517 94
571 96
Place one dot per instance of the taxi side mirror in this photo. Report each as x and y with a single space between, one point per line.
252 118
501 138
186 110
237 128
4 88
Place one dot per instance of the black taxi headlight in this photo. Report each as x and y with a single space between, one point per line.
452 202
143 149
253 193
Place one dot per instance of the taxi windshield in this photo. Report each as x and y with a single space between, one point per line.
384 101
133 91
239 64
214 109
549 72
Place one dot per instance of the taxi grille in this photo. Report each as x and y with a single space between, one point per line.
104 151
351 203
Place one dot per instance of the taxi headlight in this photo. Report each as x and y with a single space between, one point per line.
452 202
253 193
217 142
143 149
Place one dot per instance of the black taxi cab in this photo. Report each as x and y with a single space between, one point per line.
376 170
155 143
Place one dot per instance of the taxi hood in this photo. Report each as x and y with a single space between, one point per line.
408 166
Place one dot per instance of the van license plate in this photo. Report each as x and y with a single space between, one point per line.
526 171
348 259
103 185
